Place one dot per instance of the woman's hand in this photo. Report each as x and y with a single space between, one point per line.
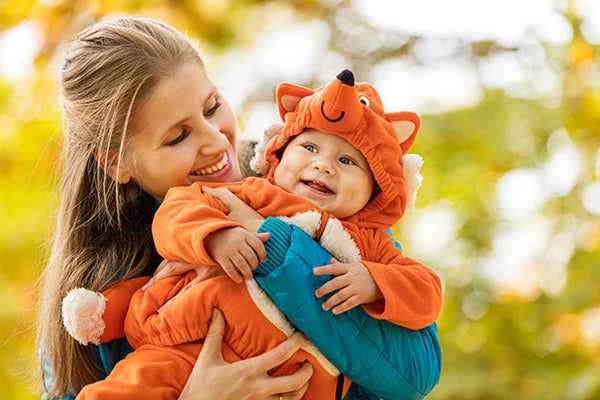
215 379
173 268
239 211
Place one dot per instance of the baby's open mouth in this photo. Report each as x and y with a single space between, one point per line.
317 186
212 169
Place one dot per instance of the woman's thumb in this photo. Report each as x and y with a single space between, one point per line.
214 335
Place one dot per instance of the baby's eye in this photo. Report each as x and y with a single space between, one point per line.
347 161
310 147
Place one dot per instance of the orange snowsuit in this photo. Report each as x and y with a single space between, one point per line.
412 292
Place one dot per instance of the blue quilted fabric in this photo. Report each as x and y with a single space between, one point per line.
385 360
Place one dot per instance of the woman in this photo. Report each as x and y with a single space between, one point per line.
126 145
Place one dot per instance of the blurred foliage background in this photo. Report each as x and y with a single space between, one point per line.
509 212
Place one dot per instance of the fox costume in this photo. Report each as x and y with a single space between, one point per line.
412 292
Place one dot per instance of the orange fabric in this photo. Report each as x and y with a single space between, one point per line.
167 344
117 305
412 292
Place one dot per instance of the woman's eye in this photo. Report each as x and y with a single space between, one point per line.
184 133
347 161
310 147
213 109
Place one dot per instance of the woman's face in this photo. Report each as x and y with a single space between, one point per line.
184 132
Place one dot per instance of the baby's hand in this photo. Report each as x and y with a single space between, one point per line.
353 283
237 251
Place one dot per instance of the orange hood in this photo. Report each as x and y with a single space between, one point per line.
355 113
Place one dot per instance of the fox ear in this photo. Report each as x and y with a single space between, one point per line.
288 97
406 125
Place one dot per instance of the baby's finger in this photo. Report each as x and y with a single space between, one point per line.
335 268
250 257
337 298
241 265
256 242
232 272
330 287
346 305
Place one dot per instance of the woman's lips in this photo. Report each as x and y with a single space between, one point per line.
213 168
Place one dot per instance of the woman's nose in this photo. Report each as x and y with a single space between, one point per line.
212 141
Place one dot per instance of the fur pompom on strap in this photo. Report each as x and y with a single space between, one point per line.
82 311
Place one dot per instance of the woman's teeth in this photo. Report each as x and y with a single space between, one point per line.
217 167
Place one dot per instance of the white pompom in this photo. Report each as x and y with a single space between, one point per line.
82 312
411 165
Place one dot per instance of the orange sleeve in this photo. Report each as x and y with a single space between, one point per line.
119 297
148 373
184 220
187 215
412 292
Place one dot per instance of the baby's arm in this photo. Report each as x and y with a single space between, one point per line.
193 227
352 285
237 251
412 292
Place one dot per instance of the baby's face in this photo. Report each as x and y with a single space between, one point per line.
328 171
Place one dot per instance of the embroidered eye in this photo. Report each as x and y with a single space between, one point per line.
364 100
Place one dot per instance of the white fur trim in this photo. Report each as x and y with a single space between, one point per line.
335 239
308 221
258 163
82 311
411 165
278 318
339 243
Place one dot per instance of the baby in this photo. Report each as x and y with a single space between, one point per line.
335 169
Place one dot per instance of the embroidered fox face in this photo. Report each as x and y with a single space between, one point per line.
353 111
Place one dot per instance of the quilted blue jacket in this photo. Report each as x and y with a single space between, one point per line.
385 360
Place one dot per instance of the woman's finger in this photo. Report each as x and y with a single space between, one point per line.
280 353
228 199
165 269
291 386
214 337
297 394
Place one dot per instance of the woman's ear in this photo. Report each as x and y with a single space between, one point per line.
108 161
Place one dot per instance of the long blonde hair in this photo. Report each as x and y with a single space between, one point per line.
103 228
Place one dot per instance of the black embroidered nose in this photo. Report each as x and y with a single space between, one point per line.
347 77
